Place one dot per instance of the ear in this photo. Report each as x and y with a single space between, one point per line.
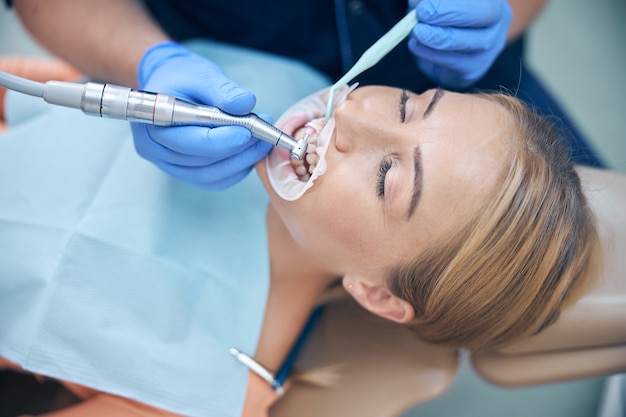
377 299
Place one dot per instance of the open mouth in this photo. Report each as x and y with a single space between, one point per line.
291 179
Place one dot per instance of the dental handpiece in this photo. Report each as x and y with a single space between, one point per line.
112 101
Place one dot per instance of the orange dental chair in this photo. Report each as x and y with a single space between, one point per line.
385 370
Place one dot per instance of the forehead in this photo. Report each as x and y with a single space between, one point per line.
474 103
464 153
471 124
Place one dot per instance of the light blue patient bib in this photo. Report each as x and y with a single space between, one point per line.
117 277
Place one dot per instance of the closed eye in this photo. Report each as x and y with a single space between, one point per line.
383 169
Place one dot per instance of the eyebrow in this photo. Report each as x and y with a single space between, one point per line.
417 158
433 102
417 181
404 97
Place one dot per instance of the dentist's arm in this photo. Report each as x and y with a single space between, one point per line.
524 13
116 41
104 39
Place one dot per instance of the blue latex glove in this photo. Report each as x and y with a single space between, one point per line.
456 41
212 158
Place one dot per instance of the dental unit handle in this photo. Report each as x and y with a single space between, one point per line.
373 54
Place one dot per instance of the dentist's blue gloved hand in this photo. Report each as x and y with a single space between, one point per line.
456 41
212 158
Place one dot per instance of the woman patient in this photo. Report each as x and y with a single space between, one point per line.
459 215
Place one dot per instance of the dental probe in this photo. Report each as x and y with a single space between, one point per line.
116 102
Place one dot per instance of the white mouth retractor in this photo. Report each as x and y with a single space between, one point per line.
308 112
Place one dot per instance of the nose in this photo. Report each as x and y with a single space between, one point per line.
343 121
358 127
354 126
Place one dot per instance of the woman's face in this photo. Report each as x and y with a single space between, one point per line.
403 169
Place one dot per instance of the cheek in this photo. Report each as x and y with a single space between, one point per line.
339 218
334 212
348 223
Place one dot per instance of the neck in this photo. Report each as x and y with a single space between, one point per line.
297 282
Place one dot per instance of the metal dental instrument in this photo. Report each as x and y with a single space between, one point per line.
374 53
258 369
116 102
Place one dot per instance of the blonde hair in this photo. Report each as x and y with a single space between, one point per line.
511 270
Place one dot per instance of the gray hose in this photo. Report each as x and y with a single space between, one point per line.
21 85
